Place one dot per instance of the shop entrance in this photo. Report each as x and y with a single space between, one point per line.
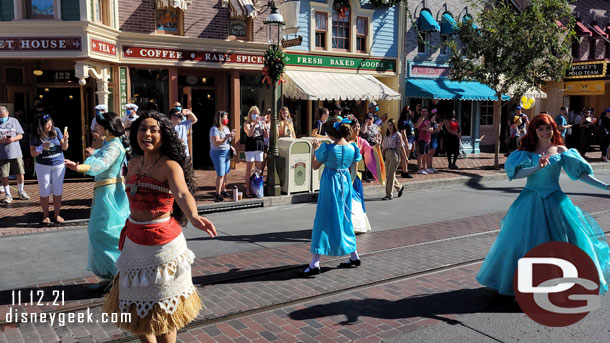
64 106
204 106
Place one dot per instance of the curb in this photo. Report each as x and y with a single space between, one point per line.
298 198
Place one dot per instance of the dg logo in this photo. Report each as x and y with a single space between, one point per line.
557 284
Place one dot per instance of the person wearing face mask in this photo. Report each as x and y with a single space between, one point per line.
98 140
220 153
182 125
130 116
373 108
255 145
11 157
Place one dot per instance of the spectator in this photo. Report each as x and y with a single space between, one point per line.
433 140
604 134
98 140
452 140
424 127
130 117
525 121
255 144
182 125
515 134
318 130
370 133
336 110
405 127
11 157
267 124
391 143
286 128
562 123
586 131
373 108
220 153
47 145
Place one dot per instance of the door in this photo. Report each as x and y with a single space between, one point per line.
204 107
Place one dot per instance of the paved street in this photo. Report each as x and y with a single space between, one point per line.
416 282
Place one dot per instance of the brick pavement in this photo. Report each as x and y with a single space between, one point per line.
78 192
402 285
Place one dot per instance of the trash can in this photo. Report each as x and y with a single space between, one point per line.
316 175
297 164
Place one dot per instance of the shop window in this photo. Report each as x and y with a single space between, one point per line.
321 30
362 28
168 21
422 43
444 48
102 12
341 27
253 92
240 28
466 118
487 113
150 87
14 75
39 9
592 43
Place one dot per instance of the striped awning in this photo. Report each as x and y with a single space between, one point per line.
180 4
243 8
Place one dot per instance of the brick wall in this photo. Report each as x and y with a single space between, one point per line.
137 16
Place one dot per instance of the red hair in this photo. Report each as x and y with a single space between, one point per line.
530 140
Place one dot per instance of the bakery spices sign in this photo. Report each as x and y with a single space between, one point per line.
587 70
195 56
43 43
103 47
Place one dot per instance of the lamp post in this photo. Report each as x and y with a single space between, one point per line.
274 23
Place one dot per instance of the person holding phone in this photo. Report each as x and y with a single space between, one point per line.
182 125
220 153
47 145
255 145
11 157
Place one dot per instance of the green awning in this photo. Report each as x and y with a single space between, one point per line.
443 89
448 25
426 22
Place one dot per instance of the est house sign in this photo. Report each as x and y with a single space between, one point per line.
40 43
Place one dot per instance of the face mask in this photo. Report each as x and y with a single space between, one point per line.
3 120
254 116
129 112
225 121
98 112
179 108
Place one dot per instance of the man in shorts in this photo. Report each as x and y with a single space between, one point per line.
11 158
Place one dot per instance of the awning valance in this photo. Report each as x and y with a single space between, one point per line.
532 92
448 25
443 89
311 85
243 8
582 30
180 4
426 22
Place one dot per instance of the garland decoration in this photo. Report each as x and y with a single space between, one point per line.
342 7
274 65
386 3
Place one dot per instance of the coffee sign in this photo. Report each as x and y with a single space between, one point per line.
43 43
586 70
195 56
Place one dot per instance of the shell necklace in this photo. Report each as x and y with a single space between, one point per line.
139 176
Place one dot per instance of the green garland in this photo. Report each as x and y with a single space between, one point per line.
274 65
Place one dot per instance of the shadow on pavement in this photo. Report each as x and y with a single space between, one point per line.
432 306
300 236
236 275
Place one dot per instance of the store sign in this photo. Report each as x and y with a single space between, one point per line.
379 65
45 43
587 70
585 88
286 43
426 71
103 47
123 86
195 56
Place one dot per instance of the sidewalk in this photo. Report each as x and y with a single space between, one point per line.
24 216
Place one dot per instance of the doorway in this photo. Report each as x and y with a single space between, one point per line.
204 107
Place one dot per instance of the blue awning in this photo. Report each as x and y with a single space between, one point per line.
448 25
468 18
443 89
426 22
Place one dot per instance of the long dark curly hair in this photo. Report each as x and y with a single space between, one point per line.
172 147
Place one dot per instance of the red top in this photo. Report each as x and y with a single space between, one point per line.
454 125
150 195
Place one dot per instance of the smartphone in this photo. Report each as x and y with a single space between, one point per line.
65 130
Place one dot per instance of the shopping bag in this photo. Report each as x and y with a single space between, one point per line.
256 184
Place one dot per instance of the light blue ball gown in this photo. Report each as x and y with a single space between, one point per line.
544 213
109 210
333 231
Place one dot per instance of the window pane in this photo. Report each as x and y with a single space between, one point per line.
42 9
361 26
320 22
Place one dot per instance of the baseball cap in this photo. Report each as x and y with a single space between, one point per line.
518 108
337 107
132 106
101 107
372 104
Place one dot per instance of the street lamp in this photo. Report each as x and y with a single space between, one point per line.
274 23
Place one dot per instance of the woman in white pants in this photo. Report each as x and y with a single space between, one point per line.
46 146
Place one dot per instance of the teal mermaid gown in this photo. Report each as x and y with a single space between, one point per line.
109 210
540 214
333 230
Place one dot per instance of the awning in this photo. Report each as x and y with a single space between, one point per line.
582 30
180 4
532 92
311 85
243 8
468 18
443 89
426 22
448 25
597 31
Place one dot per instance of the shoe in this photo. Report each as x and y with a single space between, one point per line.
226 194
218 198
350 264
8 198
23 195
59 219
400 191
434 170
429 171
386 198
409 176
46 220
311 272
406 175
421 171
